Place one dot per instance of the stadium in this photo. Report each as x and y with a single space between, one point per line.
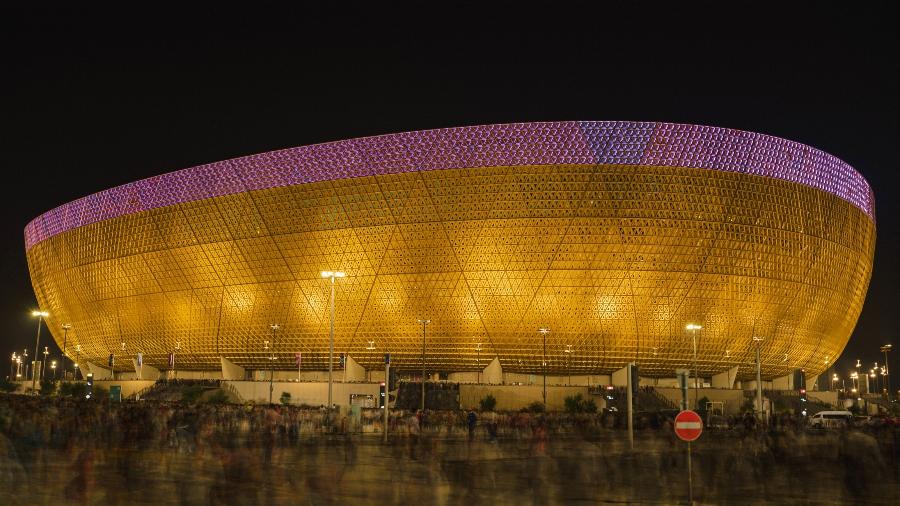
613 237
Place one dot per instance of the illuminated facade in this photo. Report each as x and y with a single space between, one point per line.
614 235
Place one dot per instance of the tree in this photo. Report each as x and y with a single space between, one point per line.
535 407
488 403
285 398
70 389
191 394
577 404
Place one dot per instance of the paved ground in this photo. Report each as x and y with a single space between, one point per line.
728 469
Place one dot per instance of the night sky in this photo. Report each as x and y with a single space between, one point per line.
96 98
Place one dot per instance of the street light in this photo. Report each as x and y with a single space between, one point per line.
544 331
568 352
53 366
693 327
65 327
78 353
274 327
40 316
12 366
478 361
331 275
44 362
887 371
423 322
24 356
759 402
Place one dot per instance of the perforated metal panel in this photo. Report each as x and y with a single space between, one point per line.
615 258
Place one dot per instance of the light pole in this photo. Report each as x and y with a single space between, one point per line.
834 380
759 402
544 331
568 352
65 327
331 275
274 327
44 362
693 327
887 371
25 361
78 353
423 322
478 361
18 367
53 366
12 367
40 316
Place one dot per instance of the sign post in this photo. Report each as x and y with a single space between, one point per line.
688 427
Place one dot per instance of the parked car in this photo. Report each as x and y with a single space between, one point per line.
831 419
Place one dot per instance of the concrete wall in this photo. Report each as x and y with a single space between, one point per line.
129 387
733 399
830 398
311 393
513 397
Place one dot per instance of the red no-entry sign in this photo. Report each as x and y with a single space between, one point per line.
688 425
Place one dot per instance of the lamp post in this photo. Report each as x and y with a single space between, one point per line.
274 327
40 316
568 352
65 327
44 362
78 354
423 322
759 402
331 275
53 366
12 367
25 361
693 327
544 331
887 371
478 361
18 367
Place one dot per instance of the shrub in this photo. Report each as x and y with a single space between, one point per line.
285 398
191 394
577 404
217 397
70 389
8 386
488 403
535 407
48 387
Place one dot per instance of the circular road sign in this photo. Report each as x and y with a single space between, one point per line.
688 425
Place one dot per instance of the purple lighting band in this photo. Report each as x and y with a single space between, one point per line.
516 144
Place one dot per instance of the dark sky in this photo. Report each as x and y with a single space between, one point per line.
97 98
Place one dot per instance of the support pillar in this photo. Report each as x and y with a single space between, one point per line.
145 372
725 379
230 370
493 373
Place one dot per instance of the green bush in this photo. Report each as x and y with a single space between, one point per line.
191 394
577 404
48 387
488 403
72 389
8 386
285 398
100 393
217 397
535 407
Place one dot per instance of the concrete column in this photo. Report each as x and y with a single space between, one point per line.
99 372
493 373
783 382
725 379
230 370
354 371
620 377
146 372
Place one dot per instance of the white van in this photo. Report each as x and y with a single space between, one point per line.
831 419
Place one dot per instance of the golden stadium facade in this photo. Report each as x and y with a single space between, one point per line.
614 235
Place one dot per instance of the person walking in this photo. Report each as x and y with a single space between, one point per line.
471 420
